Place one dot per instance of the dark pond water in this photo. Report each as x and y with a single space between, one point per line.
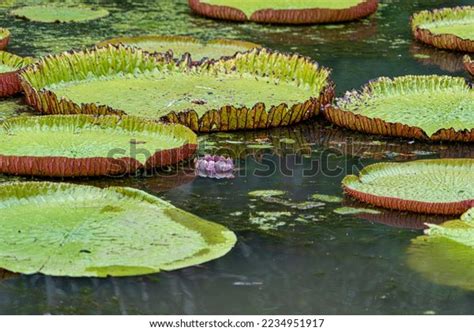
311 261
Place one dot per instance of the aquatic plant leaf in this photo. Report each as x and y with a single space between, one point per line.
179 45
445 254
423 186
83 145
4 38
421 107
283 11
256 89
57 13
74 230
447 28
442 261
10 65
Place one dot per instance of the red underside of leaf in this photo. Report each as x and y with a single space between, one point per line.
380 127
94 166
9 84
4 43
439 208
444 41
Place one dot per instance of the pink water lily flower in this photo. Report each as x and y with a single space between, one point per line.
214 166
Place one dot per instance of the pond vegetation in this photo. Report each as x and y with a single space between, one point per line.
169 140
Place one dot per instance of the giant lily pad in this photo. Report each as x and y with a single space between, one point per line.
257 89
74 230
422 107
83 145
469 64
10 65
57 13
284 11
212 49
4 38
423 186
448 28
445 254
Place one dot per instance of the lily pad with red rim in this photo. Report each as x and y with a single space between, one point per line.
447 28
252 90
421 107
283 11
10 66
83 145
423 186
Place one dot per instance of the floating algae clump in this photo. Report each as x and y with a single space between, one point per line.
78 231
448 28
423 186
283 11
422 107
55 13
257 89
178 45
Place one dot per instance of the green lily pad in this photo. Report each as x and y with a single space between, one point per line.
83 145
210 96
266 193
445 254
423 186
448 28
57 13
212 49
284 11
422 107
77 231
